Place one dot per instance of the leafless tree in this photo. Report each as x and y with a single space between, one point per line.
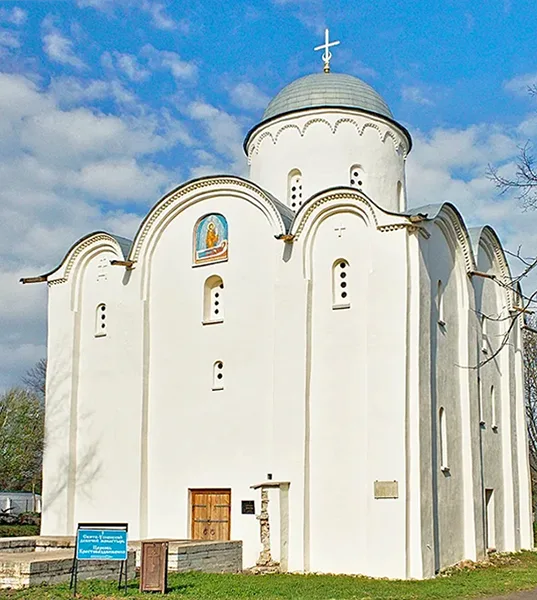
524 181
530 385
35 377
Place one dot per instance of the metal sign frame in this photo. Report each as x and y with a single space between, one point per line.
110 527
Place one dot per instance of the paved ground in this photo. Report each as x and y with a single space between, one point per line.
530 595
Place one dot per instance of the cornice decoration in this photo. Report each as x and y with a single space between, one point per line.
76 253
183 191
384 132
57 281
410 227
491 242
449 217
86 244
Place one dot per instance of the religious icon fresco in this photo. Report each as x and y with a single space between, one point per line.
210 239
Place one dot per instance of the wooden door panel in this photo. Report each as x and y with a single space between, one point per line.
210 514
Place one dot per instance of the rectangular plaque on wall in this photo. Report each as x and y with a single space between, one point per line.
248 507
386 489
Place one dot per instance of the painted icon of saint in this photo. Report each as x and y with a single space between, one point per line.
211 239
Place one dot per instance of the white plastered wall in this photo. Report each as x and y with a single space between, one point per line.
108 399
60 350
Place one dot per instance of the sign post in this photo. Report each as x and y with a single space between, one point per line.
101 541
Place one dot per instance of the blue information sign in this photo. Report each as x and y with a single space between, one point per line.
101 544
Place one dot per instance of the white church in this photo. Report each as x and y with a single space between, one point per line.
301 337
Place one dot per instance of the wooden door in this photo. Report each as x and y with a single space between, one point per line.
210 514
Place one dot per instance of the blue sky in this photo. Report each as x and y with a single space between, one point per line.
106 104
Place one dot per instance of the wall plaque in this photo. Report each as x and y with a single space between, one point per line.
248 507
386 489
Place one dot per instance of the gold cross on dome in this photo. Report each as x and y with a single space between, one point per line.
327 55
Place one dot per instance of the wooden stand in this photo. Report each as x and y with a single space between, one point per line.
154 566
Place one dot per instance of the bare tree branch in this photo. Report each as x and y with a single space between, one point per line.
524 180
35 378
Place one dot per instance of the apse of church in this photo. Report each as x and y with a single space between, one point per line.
294 346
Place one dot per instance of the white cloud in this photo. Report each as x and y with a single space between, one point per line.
310 13
225 135
122 180
58 47
16 16
127 64
72 90
248 96
360 69
158 17
103 5
416 94
66 170
171 61
451 166
521 85
9 39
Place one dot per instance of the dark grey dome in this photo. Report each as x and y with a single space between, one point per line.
327 89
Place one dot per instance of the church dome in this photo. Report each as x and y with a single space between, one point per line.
327 89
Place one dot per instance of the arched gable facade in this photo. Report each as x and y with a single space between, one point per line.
88 315
448 393
354 330
184 198
211 240
499 418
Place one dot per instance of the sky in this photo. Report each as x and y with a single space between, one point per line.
107 104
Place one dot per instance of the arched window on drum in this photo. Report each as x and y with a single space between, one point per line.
294 189
356 177
341 284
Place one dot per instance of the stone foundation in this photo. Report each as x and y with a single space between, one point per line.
196 555
29 561
24 569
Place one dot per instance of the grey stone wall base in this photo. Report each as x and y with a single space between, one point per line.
32 561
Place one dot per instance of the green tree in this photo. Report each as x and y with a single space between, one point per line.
22 420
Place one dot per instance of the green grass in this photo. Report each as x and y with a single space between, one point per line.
505 573
18 530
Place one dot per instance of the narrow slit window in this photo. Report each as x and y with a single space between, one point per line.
213 301
482 422
356 177
341 297
101 324
400 197
440 303
444 466
493 416
294 189
484 335
218 376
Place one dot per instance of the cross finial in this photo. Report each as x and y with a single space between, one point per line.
327 55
